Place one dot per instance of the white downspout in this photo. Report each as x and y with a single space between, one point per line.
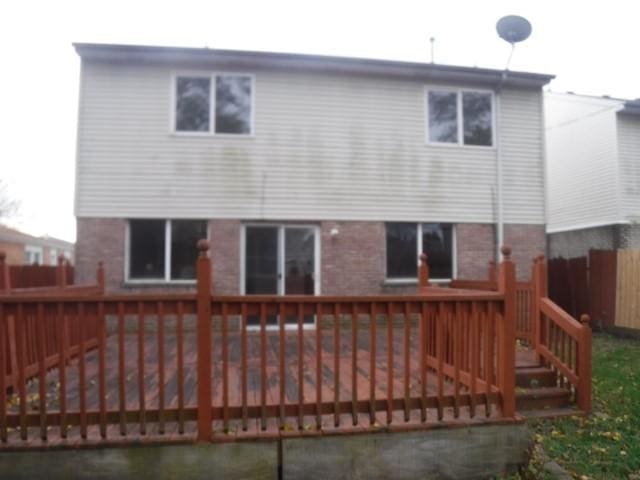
499 192
499 200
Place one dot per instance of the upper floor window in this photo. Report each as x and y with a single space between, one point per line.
405 242
460 117
214 104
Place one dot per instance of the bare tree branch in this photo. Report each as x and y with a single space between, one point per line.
9 205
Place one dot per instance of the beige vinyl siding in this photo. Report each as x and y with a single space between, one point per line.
629 160
325 147
582 178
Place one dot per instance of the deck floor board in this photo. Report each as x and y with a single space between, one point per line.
254 430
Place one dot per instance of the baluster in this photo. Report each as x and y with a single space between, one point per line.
180 366
301 380
102 389
372 363
336 364
122 371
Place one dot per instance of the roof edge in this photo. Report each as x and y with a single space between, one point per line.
298 61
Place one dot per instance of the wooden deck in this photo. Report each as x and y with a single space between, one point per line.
173 430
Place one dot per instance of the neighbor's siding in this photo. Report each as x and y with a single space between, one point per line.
582 179
629 158
325 147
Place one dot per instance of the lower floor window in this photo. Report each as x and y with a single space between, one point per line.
164 249
405 242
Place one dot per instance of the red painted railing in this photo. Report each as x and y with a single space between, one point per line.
563 343
204 362
524 300
30 337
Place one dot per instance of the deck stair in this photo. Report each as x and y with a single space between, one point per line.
539 395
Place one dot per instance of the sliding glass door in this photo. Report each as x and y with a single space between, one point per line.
280 260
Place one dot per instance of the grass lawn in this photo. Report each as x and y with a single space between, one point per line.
605 445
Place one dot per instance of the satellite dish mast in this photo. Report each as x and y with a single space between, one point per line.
512 29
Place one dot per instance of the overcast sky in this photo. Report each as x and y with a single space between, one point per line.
590 46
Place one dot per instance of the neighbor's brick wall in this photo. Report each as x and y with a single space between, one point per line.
14 253
577 243
100 239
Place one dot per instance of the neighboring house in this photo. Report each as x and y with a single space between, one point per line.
309 174
24 249
593 173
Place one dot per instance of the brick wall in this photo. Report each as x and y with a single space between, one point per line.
352 262
100 239
526 242
475 245
225 254
14 253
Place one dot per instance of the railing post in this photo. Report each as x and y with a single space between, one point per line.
204 358
4 273
584 365
61 271
423 272
540 290
507 334
100 276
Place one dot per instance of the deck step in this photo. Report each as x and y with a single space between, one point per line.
542 398
552 413
535 377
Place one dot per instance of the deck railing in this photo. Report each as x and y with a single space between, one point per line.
524 299
205 366
27 334
562 342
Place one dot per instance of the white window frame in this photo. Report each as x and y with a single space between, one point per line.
459 116
167 255
212 103
411 280
30 251
53 256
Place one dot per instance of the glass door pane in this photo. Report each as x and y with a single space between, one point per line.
261 265
299 264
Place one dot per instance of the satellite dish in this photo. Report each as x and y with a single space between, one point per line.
513 28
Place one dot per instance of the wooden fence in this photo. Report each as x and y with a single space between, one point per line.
414 359
601 284
33 276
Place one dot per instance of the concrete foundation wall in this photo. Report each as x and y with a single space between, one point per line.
476 452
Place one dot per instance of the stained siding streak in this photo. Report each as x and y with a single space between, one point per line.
582 174
325 147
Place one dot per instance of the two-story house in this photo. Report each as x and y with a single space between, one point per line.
593 173
308 174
